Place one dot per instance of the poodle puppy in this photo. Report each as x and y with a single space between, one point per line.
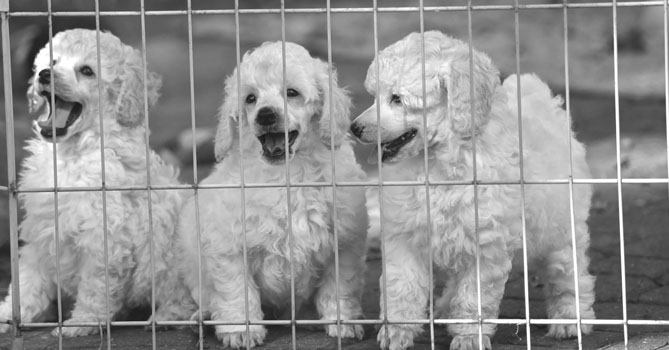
71 119
453 120
252 147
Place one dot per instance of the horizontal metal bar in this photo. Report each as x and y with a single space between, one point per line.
538 321
340 184
339 9
4 188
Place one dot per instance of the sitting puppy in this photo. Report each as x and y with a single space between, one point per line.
316 113
453 121
74 112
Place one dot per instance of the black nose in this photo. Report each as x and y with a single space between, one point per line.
357 129
45 76
266 116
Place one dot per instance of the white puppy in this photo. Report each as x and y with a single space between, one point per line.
75 114
315 116
448 135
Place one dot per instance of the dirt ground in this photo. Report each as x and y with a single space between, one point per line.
642 121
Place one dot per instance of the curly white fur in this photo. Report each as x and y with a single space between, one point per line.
320 117
453 120
79 216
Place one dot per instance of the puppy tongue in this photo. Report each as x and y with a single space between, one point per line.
58 115
274 144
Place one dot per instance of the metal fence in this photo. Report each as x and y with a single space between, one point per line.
374 10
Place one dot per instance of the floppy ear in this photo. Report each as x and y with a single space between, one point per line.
456 77
227 115
129 105
335 114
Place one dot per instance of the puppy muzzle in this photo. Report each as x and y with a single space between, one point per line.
57 115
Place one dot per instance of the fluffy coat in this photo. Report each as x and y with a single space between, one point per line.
453 121
130 225
254 222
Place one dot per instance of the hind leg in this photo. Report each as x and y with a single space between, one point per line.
100 294
463 299
174 301
560 290
36 289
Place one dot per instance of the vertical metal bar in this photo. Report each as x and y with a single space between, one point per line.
17 341
577 294
623 281
291 238
102 169
148 176
379 160
522 177
54 149
666 75
474 172
196 194
245 253
426 164
334 171
191 86
196 201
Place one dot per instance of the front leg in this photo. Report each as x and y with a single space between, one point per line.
36 289
92 303
226 300
406 292
495 265
351 280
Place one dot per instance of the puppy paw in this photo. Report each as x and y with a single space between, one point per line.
469 342
236 336
564 331
345 330
397 337
158 317
76 331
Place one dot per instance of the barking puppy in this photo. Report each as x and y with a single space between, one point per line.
75 113
276 225
454 119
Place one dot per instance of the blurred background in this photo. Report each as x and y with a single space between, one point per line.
641 88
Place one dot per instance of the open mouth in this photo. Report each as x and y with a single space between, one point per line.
274 145
391 148
61 115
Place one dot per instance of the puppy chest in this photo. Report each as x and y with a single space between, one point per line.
274 276
274 215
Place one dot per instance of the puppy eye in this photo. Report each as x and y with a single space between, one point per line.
395 99
292 93
250 98
87 71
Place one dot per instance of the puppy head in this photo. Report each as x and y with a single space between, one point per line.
448 99
308 107
75 75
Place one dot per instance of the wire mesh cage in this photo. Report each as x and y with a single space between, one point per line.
604 58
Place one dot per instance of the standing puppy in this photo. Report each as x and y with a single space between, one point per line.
454 119
84 95
277 225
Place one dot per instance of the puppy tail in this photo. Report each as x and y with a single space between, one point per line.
532 89
535 95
